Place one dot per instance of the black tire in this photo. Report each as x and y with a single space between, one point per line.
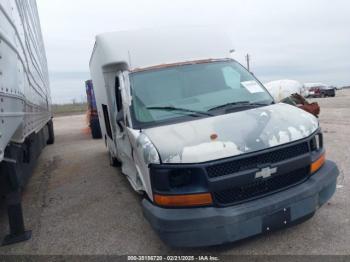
51 139
113 161
95 128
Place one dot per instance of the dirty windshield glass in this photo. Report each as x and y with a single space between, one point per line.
179 93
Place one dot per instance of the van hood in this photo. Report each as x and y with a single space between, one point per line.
231 134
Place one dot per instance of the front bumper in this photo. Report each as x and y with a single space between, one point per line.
208 226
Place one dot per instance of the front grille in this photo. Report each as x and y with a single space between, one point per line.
252 162
261 187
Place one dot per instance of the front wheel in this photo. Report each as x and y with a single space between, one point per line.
114 161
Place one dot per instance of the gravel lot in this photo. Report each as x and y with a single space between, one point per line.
76 203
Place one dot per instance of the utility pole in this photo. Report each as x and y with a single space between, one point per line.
248 61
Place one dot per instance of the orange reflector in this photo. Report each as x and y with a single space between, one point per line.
184 200
315 166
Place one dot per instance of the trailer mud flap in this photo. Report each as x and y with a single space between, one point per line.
14 175
276 221
16 221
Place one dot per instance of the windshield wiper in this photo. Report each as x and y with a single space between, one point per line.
238 105
172 108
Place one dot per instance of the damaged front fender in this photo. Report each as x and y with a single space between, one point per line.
149 152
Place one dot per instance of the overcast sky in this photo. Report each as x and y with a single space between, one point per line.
305 40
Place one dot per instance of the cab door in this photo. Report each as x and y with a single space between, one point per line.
122 140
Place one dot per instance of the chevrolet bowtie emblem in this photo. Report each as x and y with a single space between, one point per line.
266 172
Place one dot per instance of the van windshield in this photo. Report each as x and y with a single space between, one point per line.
184 92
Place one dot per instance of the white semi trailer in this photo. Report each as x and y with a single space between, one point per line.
25 105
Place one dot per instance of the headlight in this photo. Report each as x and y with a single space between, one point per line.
316 142
175 186
318 153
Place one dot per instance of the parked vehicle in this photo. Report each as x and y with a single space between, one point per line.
281 89
25 105
94 123
327 91
215 157
320 90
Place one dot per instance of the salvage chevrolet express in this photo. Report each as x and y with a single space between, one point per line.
216 158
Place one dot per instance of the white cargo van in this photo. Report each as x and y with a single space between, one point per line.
216 158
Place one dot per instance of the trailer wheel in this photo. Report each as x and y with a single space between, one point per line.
51 139
95 128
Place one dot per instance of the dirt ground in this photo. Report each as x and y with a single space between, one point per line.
76 203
